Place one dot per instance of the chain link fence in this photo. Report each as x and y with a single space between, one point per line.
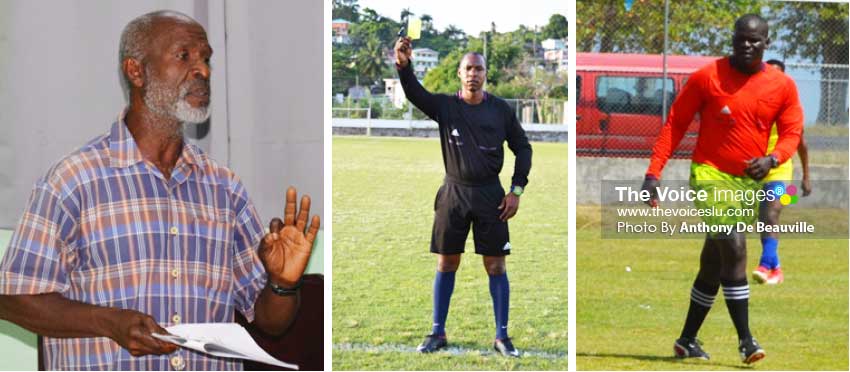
622 83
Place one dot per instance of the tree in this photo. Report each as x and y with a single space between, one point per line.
817 32
509 54
696 27
370 61
511 90
506 51
557 28
453 33
343 73
529 38
373 26
348 10
427 23
441 42
814 32
443 78
370 15
405 15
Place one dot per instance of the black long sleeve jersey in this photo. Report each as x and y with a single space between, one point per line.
472 136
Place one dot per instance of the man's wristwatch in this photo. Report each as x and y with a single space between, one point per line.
516 190
774 162
283 291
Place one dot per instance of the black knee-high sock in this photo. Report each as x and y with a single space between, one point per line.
737 295
702 297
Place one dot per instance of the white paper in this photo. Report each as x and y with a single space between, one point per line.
228 340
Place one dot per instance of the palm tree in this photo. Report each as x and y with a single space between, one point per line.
370 15
454 33
405 14
370 60
427 21
346 9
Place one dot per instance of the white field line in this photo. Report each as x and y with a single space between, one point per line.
452 350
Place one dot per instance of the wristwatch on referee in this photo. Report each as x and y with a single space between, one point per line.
774 162
284 291
516 190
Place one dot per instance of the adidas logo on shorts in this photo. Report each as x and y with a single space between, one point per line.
507 246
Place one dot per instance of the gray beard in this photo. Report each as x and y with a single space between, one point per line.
171 104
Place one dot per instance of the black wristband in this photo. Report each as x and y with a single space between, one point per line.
283 291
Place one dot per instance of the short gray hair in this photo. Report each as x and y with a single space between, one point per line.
135 40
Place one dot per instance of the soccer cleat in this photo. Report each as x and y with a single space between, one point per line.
689 348
775 276
750 351
761 274
432 343
506 347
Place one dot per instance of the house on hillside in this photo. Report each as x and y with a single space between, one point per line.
340 31
424 59
555 53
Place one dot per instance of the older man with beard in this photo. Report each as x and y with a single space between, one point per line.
138 230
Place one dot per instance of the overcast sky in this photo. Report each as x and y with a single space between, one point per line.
474 16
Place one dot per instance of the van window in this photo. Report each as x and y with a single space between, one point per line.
631 94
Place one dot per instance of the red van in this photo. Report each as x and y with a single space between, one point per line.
619 103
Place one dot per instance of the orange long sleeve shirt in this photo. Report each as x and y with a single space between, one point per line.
736 113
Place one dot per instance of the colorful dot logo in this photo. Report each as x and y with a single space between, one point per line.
778 188
788 195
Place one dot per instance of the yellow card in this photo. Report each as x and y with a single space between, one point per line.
414 28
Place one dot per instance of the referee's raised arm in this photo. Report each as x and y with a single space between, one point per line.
415 92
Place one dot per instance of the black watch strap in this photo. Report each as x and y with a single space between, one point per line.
284 291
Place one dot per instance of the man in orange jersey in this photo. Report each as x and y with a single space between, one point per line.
738 99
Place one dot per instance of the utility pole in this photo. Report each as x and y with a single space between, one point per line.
486 56
487 37
534 43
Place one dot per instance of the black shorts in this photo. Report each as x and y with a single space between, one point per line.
456 207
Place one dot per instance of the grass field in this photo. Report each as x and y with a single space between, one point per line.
629 320
383 197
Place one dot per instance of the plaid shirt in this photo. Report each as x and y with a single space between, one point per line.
104 227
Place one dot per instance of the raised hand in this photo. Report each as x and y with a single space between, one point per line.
403 51
285 250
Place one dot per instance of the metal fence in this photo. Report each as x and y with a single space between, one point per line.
528 111
625 89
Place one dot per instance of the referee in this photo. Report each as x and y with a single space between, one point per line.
473 127
738 98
